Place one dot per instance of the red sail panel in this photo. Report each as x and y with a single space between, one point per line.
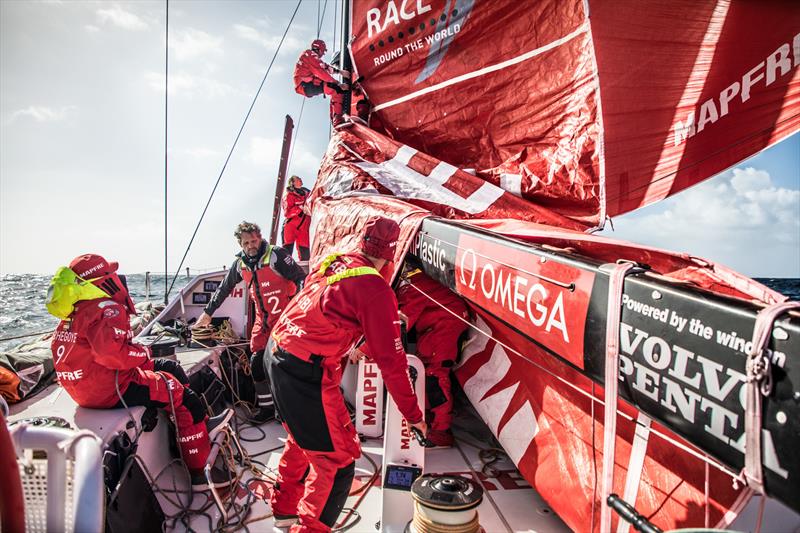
360 160
498 84
690 88
586 115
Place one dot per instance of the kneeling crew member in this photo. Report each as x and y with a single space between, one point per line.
101 367
272 278
344 298
440 318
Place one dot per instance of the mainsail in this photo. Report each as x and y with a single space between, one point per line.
590 108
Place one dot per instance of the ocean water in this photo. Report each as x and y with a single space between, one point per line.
22 297
22 308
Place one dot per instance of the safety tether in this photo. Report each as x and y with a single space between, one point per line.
759 382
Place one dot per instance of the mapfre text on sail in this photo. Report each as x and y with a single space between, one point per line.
776 65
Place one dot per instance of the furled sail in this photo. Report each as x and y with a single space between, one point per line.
590 108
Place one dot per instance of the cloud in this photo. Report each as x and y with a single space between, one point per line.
91 28
191 43
265 153
270 42
725 219
42 113
201 152
119 17
184 84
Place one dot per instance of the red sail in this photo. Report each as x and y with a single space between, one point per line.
587 113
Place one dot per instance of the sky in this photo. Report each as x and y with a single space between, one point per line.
82 141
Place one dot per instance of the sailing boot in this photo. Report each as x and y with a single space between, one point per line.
215 424
265 405
195 448
284 520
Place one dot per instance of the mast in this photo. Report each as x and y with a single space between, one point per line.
344 57
166 182
279 186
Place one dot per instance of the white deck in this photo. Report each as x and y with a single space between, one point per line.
509 504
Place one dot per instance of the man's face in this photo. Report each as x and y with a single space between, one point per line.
250 243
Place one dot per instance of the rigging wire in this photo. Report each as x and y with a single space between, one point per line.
233 147
166 123
321 19
736 476
296 132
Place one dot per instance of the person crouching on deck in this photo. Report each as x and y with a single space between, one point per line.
439 317
296 222
344 298
312 77
100 366
272 278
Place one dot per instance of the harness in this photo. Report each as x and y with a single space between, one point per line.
347 273
254 280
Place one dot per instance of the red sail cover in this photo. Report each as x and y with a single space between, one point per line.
590 108
361 160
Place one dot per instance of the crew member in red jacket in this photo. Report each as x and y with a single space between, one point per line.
100 366
272 278
312 76
438 328
296 221
344 298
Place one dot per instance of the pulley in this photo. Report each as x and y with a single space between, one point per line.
445 504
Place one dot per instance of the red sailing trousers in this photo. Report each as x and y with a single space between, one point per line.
311 89
437 348
318 461
295 230
154 388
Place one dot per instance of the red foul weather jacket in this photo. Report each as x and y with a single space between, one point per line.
331 314
90 346
309 68
272 279
422 312
293 202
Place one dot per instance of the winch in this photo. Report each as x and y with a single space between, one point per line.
445 504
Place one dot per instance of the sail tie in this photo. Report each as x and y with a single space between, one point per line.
759 382
616 283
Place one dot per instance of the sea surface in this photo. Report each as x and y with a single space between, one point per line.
22 309
22 297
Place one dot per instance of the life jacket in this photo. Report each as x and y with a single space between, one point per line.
270 291
303 330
